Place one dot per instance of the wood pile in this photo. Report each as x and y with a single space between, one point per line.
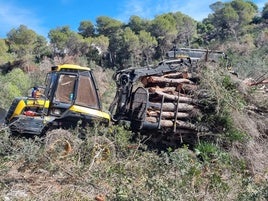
171 104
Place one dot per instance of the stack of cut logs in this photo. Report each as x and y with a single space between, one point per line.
171 101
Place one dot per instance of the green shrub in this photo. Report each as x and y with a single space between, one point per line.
16 83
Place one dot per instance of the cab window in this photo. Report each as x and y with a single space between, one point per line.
65 89
86 93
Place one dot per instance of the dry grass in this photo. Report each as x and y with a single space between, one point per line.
254 150
29 172
238 172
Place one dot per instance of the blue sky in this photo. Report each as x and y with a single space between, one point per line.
44 15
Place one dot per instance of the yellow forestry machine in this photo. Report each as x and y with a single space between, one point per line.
70 95
158 101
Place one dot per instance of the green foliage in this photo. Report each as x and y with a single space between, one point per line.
59 38
23 41
5 143
253 64
245 10
207 151
138 24
130 51
210 152
41 48
107 26
235 135
14 84
4 55
226 100
136 173
228 84
253 191
121 136
86 29
133 175
3 47
229 18
147 45
112 29
163 27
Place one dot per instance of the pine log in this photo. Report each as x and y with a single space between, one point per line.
185 75
155 79
182 99
144 81
170 123
168 115
174 75
183 88
171 106
164 89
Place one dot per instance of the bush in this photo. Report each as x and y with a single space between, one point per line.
16 83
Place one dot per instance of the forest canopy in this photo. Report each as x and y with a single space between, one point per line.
111 43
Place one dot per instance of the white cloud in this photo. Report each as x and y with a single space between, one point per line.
12 16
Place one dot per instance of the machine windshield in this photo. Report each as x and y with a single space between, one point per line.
65 88
82 91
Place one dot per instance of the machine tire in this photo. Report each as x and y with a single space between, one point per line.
60 143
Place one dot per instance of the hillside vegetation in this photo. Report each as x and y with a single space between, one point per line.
228 163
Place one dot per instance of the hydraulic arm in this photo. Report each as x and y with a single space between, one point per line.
125 79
